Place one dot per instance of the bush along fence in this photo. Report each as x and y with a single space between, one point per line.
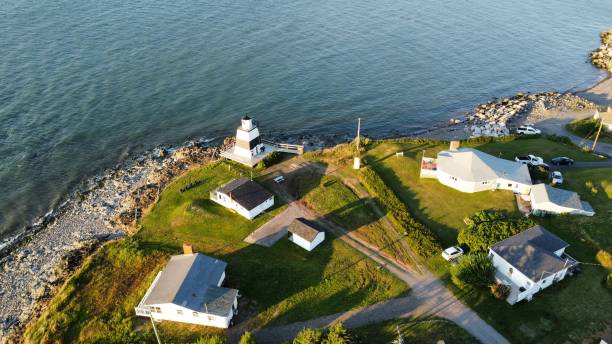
272 159
422 240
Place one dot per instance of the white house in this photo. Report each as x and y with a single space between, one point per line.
546 199
470 170
529 262
189 290
606 118
248 148
303 234
244 196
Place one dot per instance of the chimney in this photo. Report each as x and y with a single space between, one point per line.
187 248
454 145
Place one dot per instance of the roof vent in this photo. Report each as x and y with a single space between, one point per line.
454 145
187 248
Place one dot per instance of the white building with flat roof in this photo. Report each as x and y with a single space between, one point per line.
189 290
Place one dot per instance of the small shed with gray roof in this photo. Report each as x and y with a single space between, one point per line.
530 261
546 199
189 290
305 234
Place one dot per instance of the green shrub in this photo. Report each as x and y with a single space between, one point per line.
558 138
308 336
338 334
422 240
269 160
247 338
488 227
609 281
474 269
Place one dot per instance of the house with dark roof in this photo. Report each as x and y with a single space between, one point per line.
530 261
546 199
305 234
189 290
244 196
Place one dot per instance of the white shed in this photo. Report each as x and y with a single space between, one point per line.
189 290
245 196
530 261
546 199
304 234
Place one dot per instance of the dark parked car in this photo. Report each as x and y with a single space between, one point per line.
562 160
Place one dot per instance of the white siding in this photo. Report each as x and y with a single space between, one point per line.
172 312
305 244
470 186
227 202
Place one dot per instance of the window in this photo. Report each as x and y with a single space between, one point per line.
485 182
490 254
510 185
179 311
156 309
195 314
210 318
510 270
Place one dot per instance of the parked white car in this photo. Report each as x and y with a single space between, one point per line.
557 178
452 253
279 179
528 130
531 160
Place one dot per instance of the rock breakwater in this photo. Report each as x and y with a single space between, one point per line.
496 117
602 56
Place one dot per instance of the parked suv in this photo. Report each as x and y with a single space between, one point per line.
530 160
528 130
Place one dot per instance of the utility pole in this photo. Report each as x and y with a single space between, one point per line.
597 136
357 160
155 330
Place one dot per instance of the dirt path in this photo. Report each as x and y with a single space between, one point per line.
428 295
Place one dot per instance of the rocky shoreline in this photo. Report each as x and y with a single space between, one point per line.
602 56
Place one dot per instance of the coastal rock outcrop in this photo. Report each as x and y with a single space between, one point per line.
602 56
495 117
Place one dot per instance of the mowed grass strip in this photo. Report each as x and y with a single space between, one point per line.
337 202
280 284
414 331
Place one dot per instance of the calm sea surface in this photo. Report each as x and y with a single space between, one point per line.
84 84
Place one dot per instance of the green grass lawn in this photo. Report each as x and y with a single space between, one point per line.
542 147
439 207
588 128
419 331
336 201
280 284
575 310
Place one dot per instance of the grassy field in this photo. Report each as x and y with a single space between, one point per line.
577 309
587 128
280 284
337 202
543 147
427 331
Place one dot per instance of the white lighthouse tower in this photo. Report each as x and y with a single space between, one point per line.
248 142
248 149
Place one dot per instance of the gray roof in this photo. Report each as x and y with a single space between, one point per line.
532 252
190 280
304 229
245 192
475 166
543 193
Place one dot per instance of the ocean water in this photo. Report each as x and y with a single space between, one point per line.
85 84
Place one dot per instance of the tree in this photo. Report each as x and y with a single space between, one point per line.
487 227
338 334
308 336
474 269
247 338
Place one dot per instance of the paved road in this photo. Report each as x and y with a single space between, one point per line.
428 296
556 125
274 230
